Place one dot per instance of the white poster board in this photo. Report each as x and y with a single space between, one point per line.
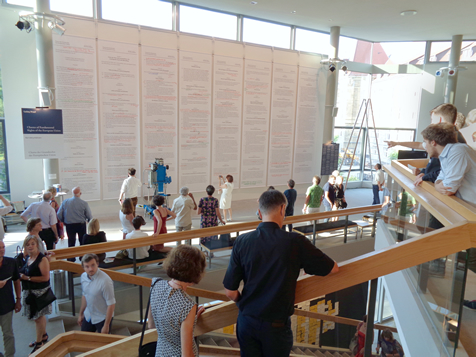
256 104
281 136
76 95
159 110
195 83
227 105
119 108
43 133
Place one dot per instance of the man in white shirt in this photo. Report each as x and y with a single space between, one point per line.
141 252
182 207
130 188
47 214
98 301
458 162
377 183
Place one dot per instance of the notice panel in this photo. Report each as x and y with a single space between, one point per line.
283 108
256 103
119 96
195 83
305 148
227 104
76 95
159 109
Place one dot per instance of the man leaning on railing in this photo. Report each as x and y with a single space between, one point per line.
269 260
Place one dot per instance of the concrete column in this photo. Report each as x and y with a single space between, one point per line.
331 89
451 81
46 79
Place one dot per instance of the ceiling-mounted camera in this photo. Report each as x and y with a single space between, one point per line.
332 67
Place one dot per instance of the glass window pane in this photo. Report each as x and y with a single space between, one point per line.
208 23
75 7
28 3
397 52
355 50
4 187
266 33
350 155
151 13
311 41
352 89
2 113
440 51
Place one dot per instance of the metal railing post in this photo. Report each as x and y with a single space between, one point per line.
314 233
345 228
71 292
369 332
374 225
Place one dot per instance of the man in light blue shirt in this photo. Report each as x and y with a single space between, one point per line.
458 162
47 214
98 301
74 212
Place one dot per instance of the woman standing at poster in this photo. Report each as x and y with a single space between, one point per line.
226 190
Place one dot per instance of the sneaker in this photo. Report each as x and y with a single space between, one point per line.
471 304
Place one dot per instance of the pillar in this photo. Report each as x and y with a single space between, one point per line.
451 81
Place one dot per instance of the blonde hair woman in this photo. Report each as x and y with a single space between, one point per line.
94 235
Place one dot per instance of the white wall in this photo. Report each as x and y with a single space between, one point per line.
18 65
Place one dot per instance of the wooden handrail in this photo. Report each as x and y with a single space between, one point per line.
404 255
75 341
77 251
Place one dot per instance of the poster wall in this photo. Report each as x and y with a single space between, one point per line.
256 110
76 94
119 108
195 82
159 109
281 137
307 122
227 104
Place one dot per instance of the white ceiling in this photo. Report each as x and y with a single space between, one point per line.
373 20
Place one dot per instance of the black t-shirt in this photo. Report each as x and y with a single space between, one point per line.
7 300
100 237
330 188
33 270
268 260
291 195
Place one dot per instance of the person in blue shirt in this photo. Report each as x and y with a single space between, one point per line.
291 195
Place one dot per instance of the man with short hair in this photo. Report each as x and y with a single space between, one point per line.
130 188
182 207
98 301
269 261
141 252
74 213
9 279
291 195
47 214
329 194
377 183
314 195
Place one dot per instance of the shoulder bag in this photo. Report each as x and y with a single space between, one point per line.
147 350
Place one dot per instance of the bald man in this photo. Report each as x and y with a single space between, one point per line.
74 213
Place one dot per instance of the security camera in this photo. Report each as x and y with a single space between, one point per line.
344 68
451 72
332 67
23 25
439 73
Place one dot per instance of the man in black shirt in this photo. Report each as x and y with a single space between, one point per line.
269 261
291 195
8 273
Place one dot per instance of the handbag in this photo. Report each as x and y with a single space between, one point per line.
354 345
20 258
147 350
44 300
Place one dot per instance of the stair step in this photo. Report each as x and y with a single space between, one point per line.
328 354
345 355
337 354
209 341
123 331
298 351
308 352
319 354
223 343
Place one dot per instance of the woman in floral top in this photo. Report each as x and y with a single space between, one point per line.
208 207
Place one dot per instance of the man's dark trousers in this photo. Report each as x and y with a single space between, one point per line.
72 230
260 338
376 190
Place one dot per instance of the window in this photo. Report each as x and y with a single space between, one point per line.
4 184
397 52
208 23
76 7
152 13
266 33
440 51
355 50
311 41
27 3
352 89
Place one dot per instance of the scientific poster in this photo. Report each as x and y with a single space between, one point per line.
159 110
227 105
281 136
306 145
76 95
195 83
256 110
119 100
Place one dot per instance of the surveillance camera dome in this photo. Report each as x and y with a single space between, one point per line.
344 68
23 25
